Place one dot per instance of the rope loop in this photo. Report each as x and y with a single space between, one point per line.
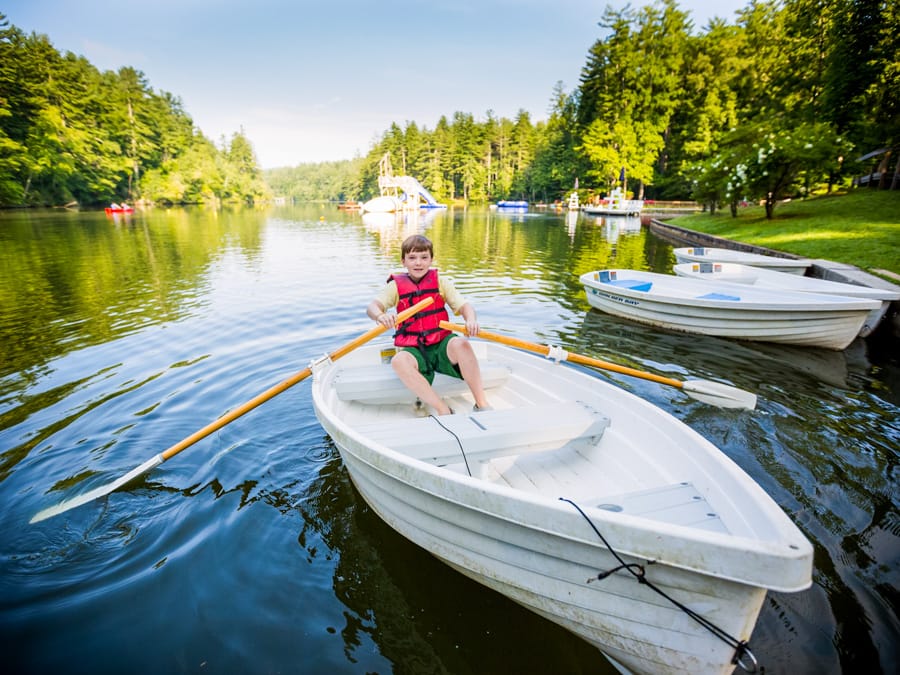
743 649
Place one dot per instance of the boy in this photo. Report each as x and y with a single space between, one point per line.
426 348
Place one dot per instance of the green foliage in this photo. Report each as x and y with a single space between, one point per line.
325 181
71 133
797 69
461 159
768 162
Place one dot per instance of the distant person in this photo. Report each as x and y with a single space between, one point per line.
425 348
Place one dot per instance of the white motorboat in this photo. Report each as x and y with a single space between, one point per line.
576 499
709 254
765 278
615 205
728 310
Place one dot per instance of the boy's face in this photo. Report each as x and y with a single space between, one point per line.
417 263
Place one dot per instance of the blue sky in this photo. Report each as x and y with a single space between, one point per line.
320 80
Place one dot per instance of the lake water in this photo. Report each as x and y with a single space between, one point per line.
251 552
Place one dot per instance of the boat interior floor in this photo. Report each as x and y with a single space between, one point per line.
537 445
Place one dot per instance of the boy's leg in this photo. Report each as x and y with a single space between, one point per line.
460 353
407 368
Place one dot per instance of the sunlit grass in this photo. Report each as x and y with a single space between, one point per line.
861 228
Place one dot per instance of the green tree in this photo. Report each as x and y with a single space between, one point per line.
556 164
772 161
630 89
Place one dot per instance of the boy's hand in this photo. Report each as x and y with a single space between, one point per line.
471 327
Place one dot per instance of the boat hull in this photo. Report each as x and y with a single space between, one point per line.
771 279
512 206
508 528
707 254
728 310
615 205
593 210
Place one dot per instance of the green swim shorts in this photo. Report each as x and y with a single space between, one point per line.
433 359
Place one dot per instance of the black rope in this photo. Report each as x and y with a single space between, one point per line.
458 442
741 647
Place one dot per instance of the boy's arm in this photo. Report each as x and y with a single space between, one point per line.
459 305
377 309
467 312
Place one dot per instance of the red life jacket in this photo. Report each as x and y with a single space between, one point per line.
422 328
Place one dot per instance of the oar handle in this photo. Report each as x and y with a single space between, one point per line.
287 384
574 358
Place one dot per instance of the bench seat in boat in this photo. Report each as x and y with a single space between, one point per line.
488 434
379 385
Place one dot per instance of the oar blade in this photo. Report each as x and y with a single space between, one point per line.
98 492
719 394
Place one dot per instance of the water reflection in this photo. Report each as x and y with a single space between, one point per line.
86 279
392 228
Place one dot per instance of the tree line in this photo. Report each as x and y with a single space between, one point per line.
72 134
779 103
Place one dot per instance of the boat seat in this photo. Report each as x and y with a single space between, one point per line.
633 284
379 385
678 504
490 433
718 296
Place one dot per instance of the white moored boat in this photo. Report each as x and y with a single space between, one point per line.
766 278
383 204
708 254
615 205
562 495
728 310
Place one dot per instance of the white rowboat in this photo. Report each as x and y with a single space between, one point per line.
707 254
766 278
728 310
544 497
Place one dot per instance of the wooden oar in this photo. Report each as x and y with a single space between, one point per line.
220 422
716 393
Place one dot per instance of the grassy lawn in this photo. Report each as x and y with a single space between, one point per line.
861 228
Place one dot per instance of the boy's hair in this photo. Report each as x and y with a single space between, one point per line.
414 243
